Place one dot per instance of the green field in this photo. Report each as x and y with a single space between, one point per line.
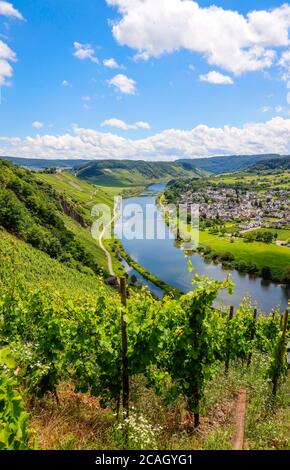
269 181
262 254
282 234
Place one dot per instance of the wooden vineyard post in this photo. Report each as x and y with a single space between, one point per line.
231 314
281 321
252 337
125 374
281 352
239 435
285 329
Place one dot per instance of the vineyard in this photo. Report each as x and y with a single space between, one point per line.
123 349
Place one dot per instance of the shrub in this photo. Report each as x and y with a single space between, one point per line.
286 276
242 266
13 419
227 256
266 273
207 250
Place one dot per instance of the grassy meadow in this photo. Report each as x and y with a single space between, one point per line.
262 254
274 180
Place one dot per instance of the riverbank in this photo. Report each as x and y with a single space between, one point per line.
267 261
166 288
167 262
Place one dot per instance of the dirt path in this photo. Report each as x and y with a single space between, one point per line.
107 253
248 230
102 246
239 435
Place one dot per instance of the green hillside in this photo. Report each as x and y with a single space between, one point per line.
126 173
77 191
54 218
216 165
60 333
228 164
270 166
84 196
27 267
41 163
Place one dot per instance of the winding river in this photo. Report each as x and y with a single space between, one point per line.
163 259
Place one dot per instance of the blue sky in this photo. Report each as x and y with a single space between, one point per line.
178 69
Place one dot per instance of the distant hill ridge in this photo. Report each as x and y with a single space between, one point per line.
229 164
280 164
99 171
40 163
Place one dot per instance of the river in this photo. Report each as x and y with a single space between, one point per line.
166 261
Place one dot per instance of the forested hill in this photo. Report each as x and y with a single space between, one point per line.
101 170
228 164
272 165
135 173
41 163
32 211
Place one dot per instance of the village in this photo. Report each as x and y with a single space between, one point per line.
250 209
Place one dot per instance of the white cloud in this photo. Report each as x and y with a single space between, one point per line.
66 83
87 107
37 125
119 124
112 64
285 59
284 62
123 84
142 125
85 51
235 42
216 78
7 9
279 109
272 136
266 109
86 100
6 56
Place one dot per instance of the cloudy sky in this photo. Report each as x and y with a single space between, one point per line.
152 79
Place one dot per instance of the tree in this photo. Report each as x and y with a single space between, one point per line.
13 215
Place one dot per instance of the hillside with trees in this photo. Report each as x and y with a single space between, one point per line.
122 173
228 164
270 166
32 210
